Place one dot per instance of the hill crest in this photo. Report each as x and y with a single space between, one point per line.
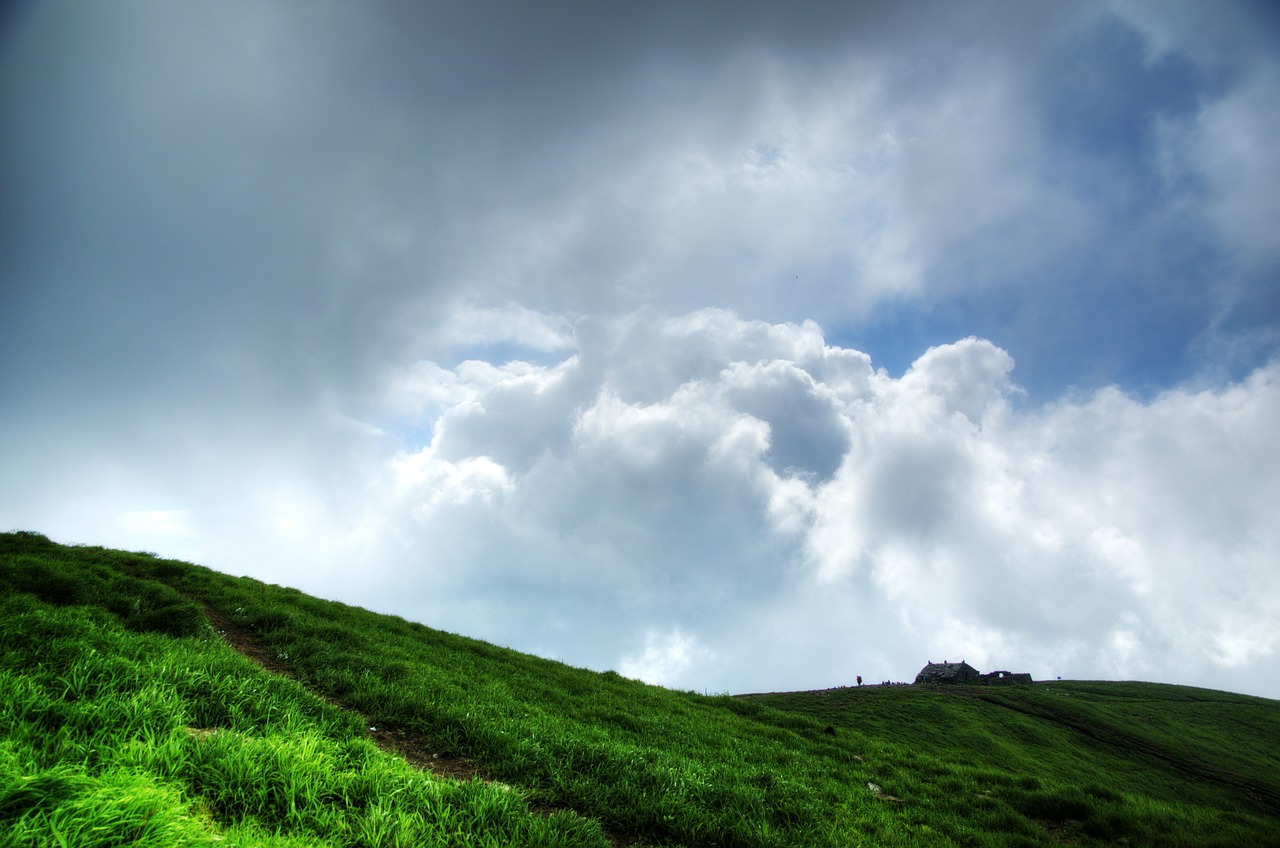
572 757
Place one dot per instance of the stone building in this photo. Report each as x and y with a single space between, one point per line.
963 674
948 673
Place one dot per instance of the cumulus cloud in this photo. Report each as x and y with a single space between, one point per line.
679 491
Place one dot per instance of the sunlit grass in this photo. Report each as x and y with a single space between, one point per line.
128 720
113 737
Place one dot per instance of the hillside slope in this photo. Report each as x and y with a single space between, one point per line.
129 718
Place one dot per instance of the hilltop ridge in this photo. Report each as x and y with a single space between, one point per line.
132 709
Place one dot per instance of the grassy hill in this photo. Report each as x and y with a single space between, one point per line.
155 703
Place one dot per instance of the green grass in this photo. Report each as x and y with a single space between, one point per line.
127 719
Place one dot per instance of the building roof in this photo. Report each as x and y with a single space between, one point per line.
947 672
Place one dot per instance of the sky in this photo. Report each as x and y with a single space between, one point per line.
733 346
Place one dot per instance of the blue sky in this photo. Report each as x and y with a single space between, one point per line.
708 343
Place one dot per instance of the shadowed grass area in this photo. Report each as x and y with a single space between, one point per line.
113 701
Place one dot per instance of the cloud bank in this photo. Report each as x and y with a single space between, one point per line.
728 504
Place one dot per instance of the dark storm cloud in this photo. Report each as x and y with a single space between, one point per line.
315 186
167 208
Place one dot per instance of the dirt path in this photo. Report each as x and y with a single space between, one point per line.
417 749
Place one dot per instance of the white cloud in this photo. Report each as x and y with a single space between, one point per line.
705 472
444 483
470 324
665 658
